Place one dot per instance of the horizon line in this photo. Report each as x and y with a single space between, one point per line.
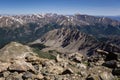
7 14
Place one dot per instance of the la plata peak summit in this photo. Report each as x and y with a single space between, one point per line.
25 63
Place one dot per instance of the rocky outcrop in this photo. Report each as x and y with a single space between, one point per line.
15 63
31 67
14 51
108 56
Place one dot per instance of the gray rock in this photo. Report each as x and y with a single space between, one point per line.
110 64
27 75
14 76
14 51
6 73
21 65
106 76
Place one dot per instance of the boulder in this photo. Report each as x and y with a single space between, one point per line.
110 64
21 65
106 76
81 65
55 69
27 75
77 57
38 76
15 51
14 76
58 59
6 73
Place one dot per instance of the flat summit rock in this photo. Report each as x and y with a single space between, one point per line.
15 60
14 51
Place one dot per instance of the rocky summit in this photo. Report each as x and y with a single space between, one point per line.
59 47
20 62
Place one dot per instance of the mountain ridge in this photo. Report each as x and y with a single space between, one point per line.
27 28
67 40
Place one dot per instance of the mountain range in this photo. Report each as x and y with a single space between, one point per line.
28 28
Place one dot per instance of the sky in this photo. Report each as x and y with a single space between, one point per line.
67 7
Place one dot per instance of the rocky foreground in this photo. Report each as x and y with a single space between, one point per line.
19 62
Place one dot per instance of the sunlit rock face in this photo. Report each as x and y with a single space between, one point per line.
14 51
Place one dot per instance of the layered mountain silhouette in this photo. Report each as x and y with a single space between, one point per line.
28 28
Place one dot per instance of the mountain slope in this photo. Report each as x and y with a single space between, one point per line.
67 40
27 28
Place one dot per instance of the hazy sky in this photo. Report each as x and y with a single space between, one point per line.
91 7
